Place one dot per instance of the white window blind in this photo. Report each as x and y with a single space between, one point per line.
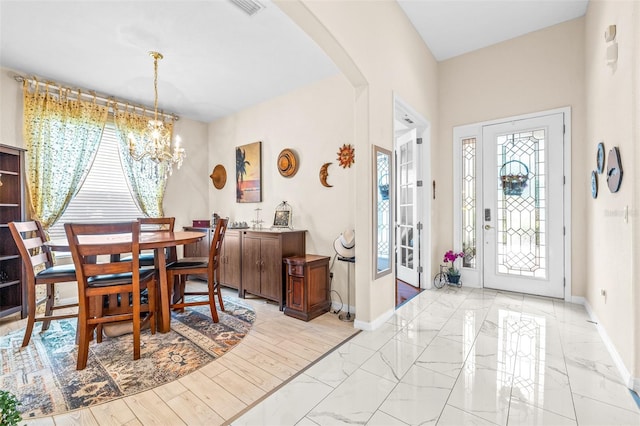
104 195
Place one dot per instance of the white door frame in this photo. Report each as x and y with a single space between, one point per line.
471 277
401 112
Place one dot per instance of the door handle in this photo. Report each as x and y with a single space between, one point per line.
487 227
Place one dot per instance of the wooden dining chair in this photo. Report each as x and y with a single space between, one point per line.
101 281
40 269
156 224
208 266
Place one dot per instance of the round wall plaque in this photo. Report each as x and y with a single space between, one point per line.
287 163
219 176
594 184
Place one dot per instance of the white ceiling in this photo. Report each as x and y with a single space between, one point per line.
453 27
217 59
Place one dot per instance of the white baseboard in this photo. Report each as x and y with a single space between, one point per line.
578 300
628 380
372 325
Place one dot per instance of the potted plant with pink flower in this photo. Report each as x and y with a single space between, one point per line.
453 273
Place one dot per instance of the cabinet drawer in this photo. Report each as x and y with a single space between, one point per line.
297 270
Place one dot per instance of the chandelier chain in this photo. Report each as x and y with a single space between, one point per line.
156 56
155 143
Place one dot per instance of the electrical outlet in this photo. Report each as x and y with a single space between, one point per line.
330 274
603 292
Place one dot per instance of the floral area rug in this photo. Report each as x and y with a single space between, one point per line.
44 378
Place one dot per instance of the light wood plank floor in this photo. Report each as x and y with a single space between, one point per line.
276 349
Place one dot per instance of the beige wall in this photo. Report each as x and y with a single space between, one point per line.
539 71
186 196
636 202
314 122
10 109
612 117
377 48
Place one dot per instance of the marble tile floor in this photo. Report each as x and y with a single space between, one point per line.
459 356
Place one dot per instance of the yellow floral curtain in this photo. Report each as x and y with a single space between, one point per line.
62 134
147 179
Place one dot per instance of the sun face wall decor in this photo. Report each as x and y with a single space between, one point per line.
346 156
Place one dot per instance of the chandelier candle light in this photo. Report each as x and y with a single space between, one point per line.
156 137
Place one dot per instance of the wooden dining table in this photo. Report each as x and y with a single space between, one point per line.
158 241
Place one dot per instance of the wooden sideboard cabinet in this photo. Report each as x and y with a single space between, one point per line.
12 288
231 259
229 271
201 248
307 286
262 266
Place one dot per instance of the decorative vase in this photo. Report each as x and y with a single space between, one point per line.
453 279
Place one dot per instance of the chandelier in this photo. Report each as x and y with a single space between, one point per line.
155 141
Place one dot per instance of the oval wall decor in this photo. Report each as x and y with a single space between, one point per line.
600 158
614 170
219 176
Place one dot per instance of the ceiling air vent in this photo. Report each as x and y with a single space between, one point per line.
251 7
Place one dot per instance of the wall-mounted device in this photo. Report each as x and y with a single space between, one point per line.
612 47
610 33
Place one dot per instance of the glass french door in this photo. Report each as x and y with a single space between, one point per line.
522 206
407 207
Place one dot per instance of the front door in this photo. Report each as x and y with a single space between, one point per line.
522 206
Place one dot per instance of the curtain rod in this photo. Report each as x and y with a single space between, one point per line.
92 93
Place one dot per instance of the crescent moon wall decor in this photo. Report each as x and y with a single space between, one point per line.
324 174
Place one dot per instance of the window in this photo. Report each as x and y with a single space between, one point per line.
105 195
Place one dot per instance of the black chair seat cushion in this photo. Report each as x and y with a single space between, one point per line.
146 259
117 279
58 271
188 263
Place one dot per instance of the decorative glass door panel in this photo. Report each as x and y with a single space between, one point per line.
469 203
521 211
523 206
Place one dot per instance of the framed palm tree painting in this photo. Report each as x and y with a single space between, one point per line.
249 173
